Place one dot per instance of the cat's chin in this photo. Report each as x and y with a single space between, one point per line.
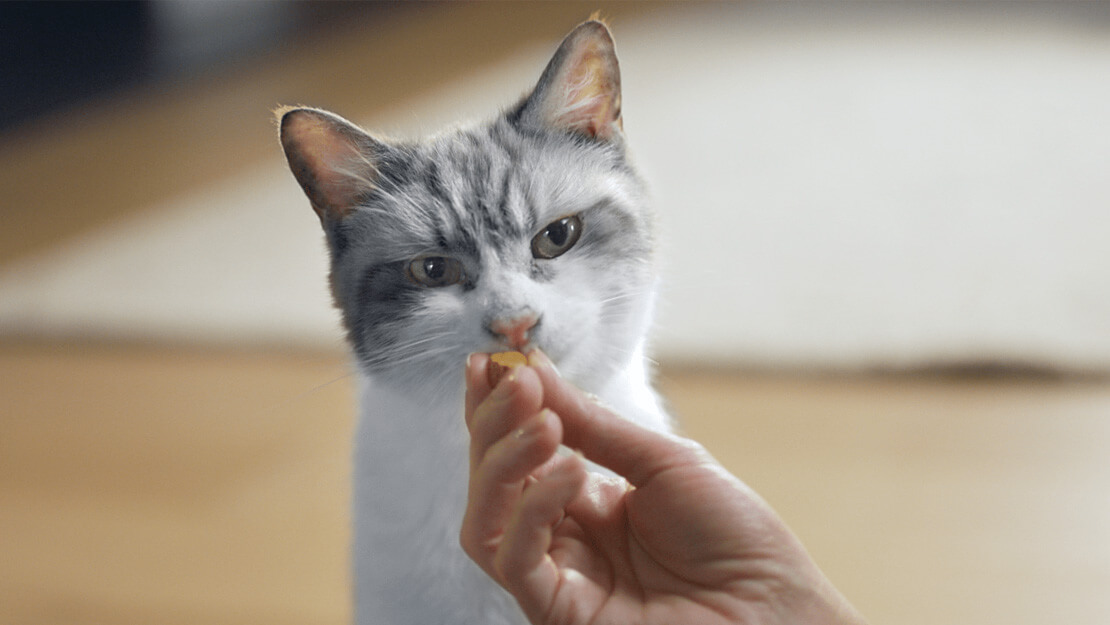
584 363
586 366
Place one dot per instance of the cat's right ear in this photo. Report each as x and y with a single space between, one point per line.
331 158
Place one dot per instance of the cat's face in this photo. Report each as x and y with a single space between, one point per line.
480 233
528 231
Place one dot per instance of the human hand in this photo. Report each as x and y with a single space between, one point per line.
677 539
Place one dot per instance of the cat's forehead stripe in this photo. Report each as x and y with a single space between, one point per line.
434 183
471 181
486 189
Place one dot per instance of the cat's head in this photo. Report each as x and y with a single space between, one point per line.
529 230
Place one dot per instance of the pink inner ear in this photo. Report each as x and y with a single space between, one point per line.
590 102
326 162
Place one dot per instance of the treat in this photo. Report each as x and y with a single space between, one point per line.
501 362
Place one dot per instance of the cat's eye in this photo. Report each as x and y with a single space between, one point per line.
557 237
435 271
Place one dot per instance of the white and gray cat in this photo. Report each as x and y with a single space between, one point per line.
529 230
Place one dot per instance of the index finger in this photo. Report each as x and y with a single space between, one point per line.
477 383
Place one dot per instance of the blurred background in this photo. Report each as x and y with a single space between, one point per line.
885 287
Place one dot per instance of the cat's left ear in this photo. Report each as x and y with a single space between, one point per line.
580 90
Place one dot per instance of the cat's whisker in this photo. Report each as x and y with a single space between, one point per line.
414 351
312 391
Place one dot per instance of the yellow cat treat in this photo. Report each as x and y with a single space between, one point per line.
501 362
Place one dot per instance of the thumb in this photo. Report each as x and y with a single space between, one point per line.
629 449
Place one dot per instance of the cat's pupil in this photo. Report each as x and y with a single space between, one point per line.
557 232
435 267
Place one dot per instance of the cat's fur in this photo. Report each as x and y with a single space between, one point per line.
469 207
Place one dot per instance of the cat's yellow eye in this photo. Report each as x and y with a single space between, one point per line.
557 237
435 271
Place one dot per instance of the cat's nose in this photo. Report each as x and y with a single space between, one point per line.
514 331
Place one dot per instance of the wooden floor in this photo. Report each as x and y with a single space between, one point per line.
158 485
180 484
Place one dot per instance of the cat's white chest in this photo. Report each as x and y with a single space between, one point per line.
411 462
409 483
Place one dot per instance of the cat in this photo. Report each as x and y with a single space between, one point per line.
530 230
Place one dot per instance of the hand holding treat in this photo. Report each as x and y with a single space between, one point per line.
676 540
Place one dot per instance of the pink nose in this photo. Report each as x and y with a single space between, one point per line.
514 330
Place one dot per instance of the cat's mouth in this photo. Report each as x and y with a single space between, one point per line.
553 352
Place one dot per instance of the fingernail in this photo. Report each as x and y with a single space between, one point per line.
538 359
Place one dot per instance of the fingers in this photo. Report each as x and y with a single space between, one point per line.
522 560
477 382
498 482
511 439
606 438
635 452
517 397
